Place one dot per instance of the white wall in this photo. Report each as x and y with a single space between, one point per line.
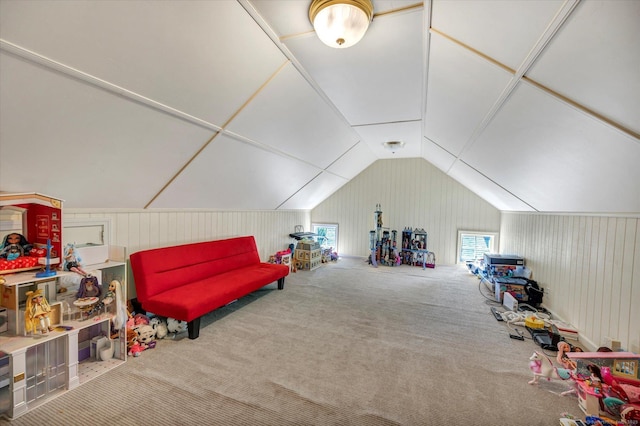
589 267
143 229
413 193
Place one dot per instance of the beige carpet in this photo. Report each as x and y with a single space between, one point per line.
346 344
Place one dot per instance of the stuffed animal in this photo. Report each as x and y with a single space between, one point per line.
132 339
160 325
174 326
146 336
140 319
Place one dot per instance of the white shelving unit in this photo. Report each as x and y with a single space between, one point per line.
35 368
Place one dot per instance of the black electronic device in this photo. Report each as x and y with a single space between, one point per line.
496 313
502 259
542 338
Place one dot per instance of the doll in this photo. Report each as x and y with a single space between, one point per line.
563 359
89 287
115 298
72 262
37 313
14 245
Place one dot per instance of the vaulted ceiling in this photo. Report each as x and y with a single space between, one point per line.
533 105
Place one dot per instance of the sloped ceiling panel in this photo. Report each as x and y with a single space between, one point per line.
503 30
437 156
142 86
352 162
594 60
85 145
378 80
288 115
557 158
245 177
492 193
316 191
169 52
456 101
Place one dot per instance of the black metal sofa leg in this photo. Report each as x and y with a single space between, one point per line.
280 283
194 328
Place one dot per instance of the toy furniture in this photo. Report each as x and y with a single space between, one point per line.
37 219
308 255
619 394
64 352
188 281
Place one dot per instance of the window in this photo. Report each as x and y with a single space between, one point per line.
473 245
86 232
327 234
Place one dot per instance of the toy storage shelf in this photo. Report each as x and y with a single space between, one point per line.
36 368
308 256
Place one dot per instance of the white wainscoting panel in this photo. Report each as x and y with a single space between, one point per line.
143 229
589 267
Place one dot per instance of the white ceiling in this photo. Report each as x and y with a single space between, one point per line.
533 105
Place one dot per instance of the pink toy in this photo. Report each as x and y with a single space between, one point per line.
541 366
135 349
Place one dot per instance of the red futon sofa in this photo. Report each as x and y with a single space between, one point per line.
187 281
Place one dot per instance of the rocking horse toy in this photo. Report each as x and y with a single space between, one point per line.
541 366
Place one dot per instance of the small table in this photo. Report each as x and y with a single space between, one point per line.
85 305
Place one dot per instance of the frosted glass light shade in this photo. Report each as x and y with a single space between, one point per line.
340 23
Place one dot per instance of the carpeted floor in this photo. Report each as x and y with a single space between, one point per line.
346 344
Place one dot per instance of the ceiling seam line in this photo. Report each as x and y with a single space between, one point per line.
269 148
206 144
398 10
471 49
516 75
99 83
498 185
250 9
179 172
387 122
339 157
299 189
426 49
583 108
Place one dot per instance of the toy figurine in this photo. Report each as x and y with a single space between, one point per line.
72 262
541 366
89 287
37 313
14 245
563 359
119 308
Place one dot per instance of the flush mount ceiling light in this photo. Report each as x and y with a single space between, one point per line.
340 23
393 146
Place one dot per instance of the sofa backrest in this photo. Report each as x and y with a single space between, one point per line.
161 269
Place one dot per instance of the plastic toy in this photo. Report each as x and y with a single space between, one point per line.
15 245
89 287
541 366
114 299
72 261
620 400
37 313
47 271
